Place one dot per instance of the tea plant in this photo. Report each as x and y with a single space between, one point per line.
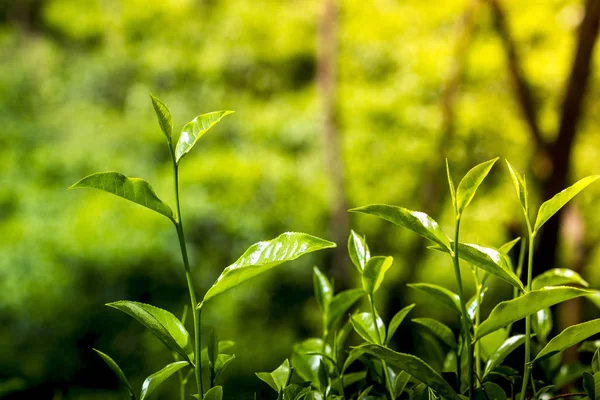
206 363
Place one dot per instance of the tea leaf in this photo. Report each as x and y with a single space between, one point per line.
223 361
374 271
161 323
323 290
569 372
358 250
589 386
490 391
396 321
401 380
364 325
212 348
154 380
117 370
507 247
510 311
214 393
520 185
295 391
413 366
133 189
305 363
570 336
440 330
503 351
558 276
341 303
451 185
474 303
354 355
442 294
195 129
492 342
551 207
264 256
541 323
416 221
164 117
470 183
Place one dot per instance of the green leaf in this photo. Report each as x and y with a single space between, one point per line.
195 129
400 383
305 363
215 393
358 250
354 355
507 312
470 183
323 377
442 294
264 256
558 276
503 351
589 346
589 385
541 323
133 189
164 117
341 303
413 366
323 290
569 372
440 330
374 272
521 187
569 337
396 321
295 391
416 221
474 303
212 348
596 361
154 380
364 325
551 207
116 369
161 323
223 361
492 342
282 374
490 391
507 247
268 379
451 185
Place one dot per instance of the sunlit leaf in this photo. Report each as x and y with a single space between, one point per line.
116 369
358 250
364 325
133 189
507 312
520 185
413 366
154 380
451 185
416 221
558 276
569 337
195 129
161 323
164 117
264 256
341 303
503 351
507 247
489 344
323 290
441 294
374 272
440 330
396 321
551 207
470 183
304 361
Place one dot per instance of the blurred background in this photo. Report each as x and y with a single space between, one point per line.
339 103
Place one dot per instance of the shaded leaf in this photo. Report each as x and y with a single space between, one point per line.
133 189
589 346
507 312
490 391
358 250
440 330
400 383
442 294
596 362
154 380
364 325
541 323
161 323
341 303
295 391
354 355
223 361
568 373
551 207
416 221
212 347
195 129
396 321
569 337
507 247
470 183
558 276
374 272
489 344
589 386
214 393
116 369
263 256
323 290
413 366
503 351
164 117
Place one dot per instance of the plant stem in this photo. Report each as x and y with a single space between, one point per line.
190 284
527 366
478 287
465 315
388 382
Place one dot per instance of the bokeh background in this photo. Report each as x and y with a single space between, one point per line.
338 104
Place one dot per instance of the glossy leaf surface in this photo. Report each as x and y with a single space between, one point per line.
374 272
116 369
442 294
413 366
503 351
541 323
263 256
416 221
558 276
396 321
364 325
569 337
154 380
551 207
323 289
195 129
470 183
133 189
215 393
358 250
341 303
164 117
161 323
510 311
439 330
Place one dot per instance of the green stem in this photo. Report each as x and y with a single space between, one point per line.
478 287
388 382
465 315
190 284
181 385
527 366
